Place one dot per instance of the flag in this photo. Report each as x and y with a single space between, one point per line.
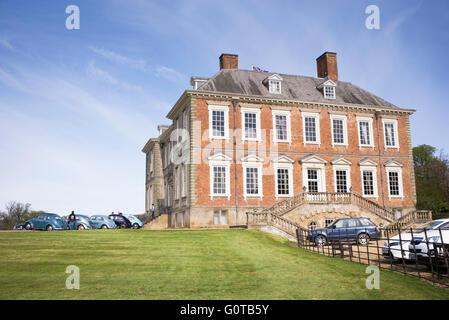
254 68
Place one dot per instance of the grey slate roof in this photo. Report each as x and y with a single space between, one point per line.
294 87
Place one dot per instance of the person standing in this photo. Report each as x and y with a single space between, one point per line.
152 211
72 217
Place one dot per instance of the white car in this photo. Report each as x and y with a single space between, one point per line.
393 249
419 247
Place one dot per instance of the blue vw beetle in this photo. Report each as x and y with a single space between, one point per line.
46 221
136 223
99 221
81 222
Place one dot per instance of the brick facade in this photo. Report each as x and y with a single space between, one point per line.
195 206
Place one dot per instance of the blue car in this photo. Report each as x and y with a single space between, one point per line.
81 223
346 229
99 221
136 223
121 221
46 221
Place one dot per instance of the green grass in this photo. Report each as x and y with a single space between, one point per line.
209 264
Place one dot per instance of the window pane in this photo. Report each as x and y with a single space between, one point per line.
310 128
250 125
364 133
341 181
219 180
218 123
283 181
368 183
393 178
389 135
312 180
216 217
224 217
252 186
338 131
281 127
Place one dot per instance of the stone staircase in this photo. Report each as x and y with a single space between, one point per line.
159 222
283 207
273 216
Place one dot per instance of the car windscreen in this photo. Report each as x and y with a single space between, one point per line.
429 225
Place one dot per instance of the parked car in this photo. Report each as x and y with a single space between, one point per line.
46 221
81 222
422 246
121 221
20 226
136 222
397 248
99 221
346 229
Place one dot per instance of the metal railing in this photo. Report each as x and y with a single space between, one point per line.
289 204
416 252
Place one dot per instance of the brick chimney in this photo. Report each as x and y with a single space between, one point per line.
326 65
229 61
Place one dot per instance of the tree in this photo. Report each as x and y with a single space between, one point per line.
432 180
16 212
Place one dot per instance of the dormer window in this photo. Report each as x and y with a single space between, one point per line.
274 84
329 92
328 88
197 82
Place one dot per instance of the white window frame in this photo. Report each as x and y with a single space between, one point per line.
400 185
321 175
258 166
348 176
225 162
224 108
151 161
272 86
258 134
370 128
315 115
281 113
345 129
396 135
289 168
333 96
374 171
184 180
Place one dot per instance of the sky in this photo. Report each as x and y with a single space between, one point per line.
77 106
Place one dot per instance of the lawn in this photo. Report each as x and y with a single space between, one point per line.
185 264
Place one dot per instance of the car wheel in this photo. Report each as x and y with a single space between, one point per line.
104 226
49 228
81 227
123 226
28 226
135 226
320 240
363 239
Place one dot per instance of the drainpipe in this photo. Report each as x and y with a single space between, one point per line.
234 105
380 159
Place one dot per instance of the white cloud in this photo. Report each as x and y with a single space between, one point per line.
159 70
120 59
103 75
169 74
4 42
